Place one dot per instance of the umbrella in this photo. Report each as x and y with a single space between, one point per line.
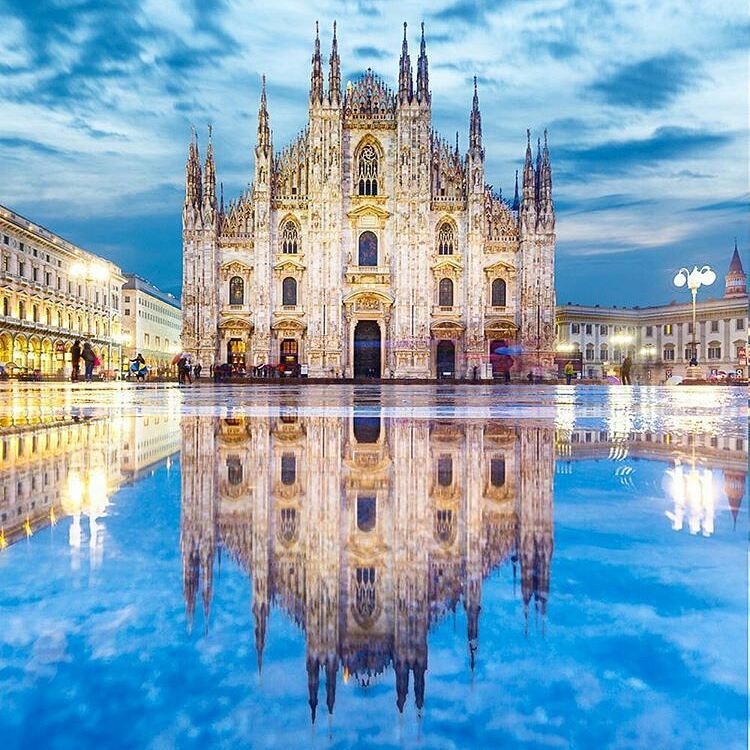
612 380
675 380
178 357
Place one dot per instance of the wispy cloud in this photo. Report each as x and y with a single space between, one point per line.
648 84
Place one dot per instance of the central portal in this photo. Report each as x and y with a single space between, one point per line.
367 349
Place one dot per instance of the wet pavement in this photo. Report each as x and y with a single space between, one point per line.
373 566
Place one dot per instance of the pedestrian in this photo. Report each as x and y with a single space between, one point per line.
569 372
505 364
627 363
75 356
89 357
181 362
197 370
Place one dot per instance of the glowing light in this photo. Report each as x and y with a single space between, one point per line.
563 347
3 540
346 675
52 516
27 527
693 498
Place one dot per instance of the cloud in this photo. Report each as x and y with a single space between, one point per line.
466 11
741 203
27 145
648 84
623 156
374 52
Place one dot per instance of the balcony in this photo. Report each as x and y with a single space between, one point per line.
446 311
368 274
235 309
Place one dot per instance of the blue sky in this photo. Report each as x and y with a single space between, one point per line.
645 103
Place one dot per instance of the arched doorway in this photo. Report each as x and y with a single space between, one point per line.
446 359
367 349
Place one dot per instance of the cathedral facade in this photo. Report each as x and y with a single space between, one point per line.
369 246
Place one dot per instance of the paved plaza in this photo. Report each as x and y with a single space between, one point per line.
372 566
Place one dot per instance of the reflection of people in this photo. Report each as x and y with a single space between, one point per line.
569 372
627 363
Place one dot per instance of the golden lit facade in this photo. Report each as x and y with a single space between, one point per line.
366 531
369 246
52 293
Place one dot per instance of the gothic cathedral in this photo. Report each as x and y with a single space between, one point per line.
370 246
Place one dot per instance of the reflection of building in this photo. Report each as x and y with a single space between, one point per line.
692 481
71 466
366 531
658 339
52 293
151 323
369 245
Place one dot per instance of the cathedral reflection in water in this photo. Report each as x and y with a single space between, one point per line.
366 531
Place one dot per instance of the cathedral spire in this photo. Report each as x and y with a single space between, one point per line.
334 73
316 78
546 207
405 80
423 78
264 130
528 199
209 175
538 168
515 195
193 186
475 126
221 201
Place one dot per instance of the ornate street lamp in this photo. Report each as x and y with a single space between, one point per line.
694 279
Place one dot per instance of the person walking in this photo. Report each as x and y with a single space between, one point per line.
89 357
197 370
569 372
627 364
75 359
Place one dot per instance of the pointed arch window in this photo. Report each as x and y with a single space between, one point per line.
368 249
236 290
445 293
367 171
446 239
289 291
289 238
499 291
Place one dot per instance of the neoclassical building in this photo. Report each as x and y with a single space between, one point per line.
53 292
659 339
369 245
